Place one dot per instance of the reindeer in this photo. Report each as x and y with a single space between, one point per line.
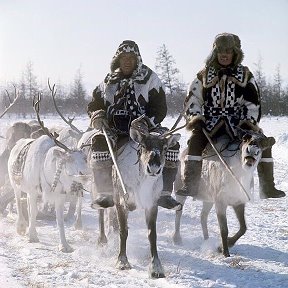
143 185
220 189
15 132
44 166
69 136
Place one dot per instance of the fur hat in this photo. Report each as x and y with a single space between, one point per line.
127 46
226 41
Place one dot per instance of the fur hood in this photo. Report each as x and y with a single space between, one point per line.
141 73
226 41
127 46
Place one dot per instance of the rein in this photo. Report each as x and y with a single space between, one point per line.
226 148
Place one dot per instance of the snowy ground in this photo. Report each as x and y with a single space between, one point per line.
259 258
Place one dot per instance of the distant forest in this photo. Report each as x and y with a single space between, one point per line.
72 101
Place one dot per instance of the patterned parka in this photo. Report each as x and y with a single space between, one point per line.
224 96
125 99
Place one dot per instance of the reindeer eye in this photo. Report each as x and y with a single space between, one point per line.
247 137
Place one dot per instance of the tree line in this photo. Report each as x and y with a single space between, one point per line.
274 96
74 98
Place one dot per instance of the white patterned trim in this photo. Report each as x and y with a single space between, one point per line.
192 157
266 160
172 155
100 156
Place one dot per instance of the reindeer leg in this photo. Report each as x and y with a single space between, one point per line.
177 239
59 207
239 210
206 208
122 214
102 239
78 222
21 223
71 210
32 212
222 220
155 270
5 199
113 223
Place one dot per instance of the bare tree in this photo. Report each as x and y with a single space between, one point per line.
169 75
267 100
259 74
78 94
31 82
278 92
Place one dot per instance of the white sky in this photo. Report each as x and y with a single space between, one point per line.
59 36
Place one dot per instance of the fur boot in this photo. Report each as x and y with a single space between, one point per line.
266 181
166 200
192 175
102 192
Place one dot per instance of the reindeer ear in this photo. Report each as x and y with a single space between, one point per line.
173 139
136 136
267 142
270 141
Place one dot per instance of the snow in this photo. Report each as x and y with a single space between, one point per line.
259 258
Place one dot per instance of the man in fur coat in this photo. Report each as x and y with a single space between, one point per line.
223 96
130 90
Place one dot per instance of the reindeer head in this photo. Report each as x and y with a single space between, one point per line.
153 148
252 146
73 164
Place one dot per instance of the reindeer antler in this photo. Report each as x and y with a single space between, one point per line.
36 106
69 122
173 130
12 102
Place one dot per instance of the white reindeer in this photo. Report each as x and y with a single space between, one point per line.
217 186
143 184
38 166
70 136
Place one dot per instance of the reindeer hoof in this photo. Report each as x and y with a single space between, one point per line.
156 275
177 239
102 241
65 248
123 264
21 228
156 270
224 252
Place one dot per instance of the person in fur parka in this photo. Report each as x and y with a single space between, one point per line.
130 90
223 97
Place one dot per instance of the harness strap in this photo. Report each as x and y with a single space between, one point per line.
57 176
19 164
